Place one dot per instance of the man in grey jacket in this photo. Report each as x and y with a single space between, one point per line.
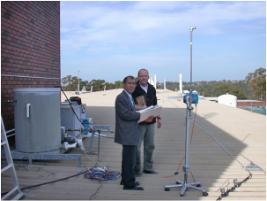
127 133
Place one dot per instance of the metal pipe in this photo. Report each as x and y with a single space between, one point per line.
191 44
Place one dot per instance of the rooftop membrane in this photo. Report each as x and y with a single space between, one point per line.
225 142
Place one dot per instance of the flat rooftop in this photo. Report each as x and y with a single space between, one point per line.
224 141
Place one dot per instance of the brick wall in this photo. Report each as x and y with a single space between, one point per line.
251 103
30 49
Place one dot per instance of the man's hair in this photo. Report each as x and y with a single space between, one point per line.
142 69
128 77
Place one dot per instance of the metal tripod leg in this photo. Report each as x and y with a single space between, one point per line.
178 184
185 186
195 186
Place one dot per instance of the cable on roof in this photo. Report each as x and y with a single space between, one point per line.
97 173
71 105
50 182
97 190
225 190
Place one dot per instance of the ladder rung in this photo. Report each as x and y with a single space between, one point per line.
10 131
6 168
11 192
3 143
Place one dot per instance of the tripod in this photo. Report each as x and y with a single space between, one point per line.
185 185
188 99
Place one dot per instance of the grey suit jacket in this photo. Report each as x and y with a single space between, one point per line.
126 126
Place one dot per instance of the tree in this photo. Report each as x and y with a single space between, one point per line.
257 82
118 84
69 83
98 85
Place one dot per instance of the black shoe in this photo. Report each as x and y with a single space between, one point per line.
136 183
137 188
150 172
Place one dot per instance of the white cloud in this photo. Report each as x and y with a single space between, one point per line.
133 33
93 24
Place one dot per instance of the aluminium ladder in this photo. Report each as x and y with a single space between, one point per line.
15 193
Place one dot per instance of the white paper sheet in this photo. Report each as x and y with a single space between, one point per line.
149 111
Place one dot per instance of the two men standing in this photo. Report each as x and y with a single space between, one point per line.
130 134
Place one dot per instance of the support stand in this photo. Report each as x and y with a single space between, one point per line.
188 100
185 185
98 130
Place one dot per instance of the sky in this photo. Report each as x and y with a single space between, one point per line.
110 40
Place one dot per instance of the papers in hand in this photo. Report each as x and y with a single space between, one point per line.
153 110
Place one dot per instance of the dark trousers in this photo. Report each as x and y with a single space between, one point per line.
128 164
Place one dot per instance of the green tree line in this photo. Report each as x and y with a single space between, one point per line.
252 87
70 83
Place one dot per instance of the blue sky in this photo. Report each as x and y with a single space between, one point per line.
109 40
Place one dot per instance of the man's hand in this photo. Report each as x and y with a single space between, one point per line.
158 122
149 119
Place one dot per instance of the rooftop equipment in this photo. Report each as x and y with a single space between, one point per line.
37 119
37 125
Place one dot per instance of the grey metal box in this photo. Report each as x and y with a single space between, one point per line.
37 119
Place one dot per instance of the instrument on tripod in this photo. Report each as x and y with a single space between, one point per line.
189 99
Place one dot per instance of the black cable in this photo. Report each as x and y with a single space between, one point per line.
50 182
74 110
70 105
229 153
225 150
237 184
97 190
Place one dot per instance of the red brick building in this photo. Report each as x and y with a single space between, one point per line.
250 103
30 49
